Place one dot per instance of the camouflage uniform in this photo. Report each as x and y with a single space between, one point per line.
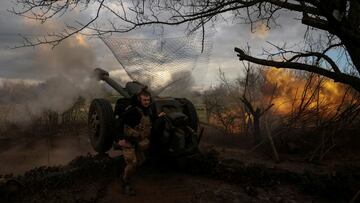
134 153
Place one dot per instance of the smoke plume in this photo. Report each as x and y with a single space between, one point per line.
180 86
67 67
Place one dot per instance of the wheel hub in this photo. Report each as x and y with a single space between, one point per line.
95 124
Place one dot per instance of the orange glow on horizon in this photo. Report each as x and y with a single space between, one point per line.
291 89
289 92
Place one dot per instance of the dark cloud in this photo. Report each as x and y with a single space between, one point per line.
30 64
230 35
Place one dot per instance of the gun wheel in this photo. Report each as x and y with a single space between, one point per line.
101 125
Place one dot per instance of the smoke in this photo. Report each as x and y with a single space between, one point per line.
260 31
290 90
68 68
181 85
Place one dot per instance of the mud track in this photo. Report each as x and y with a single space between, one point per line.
204 178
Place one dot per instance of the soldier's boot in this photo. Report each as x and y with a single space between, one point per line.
128 189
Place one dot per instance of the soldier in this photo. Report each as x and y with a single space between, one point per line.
137 129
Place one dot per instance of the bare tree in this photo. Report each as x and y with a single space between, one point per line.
255 111
220 109
338 20
240 102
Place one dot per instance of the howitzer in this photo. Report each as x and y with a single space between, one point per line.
101 74
172 135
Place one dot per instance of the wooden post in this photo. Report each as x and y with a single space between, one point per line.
271 141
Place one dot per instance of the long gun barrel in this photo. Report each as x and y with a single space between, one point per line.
104 75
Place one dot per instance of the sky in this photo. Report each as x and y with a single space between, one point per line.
42 63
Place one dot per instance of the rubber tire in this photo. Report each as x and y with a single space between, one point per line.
190 111
101 125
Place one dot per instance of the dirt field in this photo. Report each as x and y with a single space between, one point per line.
226 172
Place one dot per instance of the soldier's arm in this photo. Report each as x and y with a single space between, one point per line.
131 133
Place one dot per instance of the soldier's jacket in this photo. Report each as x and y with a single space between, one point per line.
139 135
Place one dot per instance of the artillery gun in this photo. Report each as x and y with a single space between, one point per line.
174 135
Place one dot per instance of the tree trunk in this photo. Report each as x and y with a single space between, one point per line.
257 130
354 52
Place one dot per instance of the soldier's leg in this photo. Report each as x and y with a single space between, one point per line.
130 168
140 156
131 162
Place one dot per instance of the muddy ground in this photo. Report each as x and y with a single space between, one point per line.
65 169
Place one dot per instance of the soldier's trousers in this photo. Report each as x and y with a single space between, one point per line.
133 158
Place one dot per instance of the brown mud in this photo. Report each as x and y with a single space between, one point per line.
201 179
222 173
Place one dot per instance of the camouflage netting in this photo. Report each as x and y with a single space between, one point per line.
161 62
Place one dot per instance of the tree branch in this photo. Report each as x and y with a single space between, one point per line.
62 36
319 56
337 77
